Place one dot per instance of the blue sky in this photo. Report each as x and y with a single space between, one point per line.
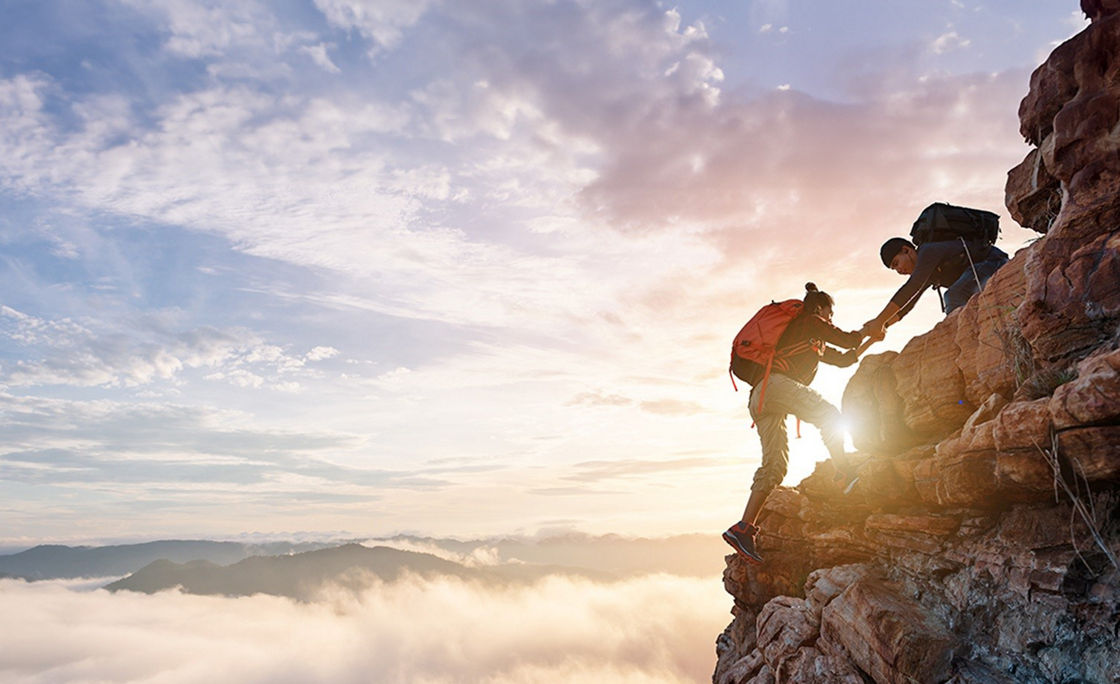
341 267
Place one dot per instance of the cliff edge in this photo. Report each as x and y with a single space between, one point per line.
981 542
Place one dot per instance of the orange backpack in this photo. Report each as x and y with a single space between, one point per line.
757 344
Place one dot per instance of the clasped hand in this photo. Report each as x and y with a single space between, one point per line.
874 330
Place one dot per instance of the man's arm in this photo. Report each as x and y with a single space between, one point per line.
877 327
929 258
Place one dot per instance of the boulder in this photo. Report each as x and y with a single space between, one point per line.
886 636
784 625
934 404
994 357
1093 398
827 583
1032 195
1072 302
873 409
1092 452
1051 85
810 666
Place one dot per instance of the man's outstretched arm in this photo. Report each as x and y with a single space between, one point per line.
929 258
877 327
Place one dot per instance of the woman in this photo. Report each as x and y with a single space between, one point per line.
800 348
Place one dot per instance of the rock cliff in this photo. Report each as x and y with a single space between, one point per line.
981 542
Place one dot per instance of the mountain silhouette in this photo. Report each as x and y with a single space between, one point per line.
53 561
303 575
691 555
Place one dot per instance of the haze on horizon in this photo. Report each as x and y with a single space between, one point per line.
334 268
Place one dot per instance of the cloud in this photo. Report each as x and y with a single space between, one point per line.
177 448
1076 21
318 54
381 21
320 353
655 628
473 556
598 471
30 330
326 198
672 407
949 41
92 352
599 399
199 28
617 120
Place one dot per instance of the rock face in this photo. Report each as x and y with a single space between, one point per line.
982 540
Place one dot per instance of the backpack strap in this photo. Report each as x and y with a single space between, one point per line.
765 381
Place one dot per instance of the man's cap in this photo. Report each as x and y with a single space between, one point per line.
891 248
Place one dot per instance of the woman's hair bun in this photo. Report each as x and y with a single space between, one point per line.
811 287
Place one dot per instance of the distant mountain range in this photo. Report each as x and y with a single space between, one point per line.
280 567
301 576
68 562
690 555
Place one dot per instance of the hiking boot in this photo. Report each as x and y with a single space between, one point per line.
741 537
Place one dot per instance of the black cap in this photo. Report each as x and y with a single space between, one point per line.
891 248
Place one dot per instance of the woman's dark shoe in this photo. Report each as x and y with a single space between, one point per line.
741 538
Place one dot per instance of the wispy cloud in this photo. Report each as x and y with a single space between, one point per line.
92 353
383 22
183 450
318 54
949 41
205 29
596 471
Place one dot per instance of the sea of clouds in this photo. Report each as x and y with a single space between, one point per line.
654 628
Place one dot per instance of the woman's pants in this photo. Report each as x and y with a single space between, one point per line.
786 396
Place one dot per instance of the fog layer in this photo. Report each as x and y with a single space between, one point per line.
655 628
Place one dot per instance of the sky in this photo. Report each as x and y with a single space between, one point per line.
314 268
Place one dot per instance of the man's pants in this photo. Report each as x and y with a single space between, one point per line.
966 286
786 396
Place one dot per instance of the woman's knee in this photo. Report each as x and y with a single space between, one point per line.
766 480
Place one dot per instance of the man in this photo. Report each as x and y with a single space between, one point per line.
962 266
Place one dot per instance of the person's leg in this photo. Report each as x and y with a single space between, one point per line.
986 268
964 287
770 422
775 461
812 408
960 291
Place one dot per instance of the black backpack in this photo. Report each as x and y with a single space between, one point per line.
940 222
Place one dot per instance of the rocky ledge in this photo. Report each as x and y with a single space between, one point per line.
981 542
